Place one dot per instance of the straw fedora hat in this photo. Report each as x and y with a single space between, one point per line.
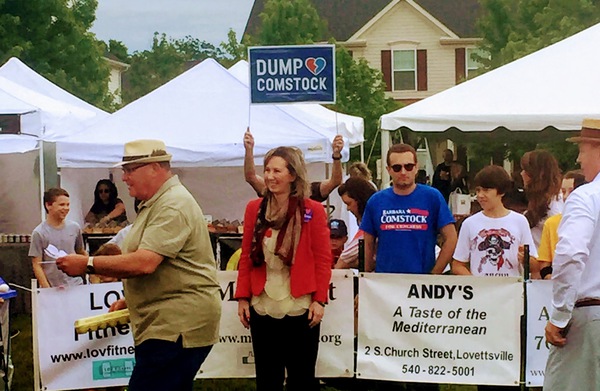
590 132
144 151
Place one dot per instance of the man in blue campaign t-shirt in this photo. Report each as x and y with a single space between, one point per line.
405 219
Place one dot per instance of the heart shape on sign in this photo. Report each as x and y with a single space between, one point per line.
315 65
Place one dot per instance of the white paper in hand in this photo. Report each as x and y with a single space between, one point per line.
52 252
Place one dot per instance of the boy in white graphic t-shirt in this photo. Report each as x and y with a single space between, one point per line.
490 243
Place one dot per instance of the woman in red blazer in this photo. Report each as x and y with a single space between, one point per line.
284 274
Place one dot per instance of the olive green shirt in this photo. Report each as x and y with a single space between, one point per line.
181 297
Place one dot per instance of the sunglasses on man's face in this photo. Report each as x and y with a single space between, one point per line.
407 167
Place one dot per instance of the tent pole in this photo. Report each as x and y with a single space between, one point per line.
385 146
37 381
42 180
362 152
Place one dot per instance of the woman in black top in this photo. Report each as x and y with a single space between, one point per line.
107 206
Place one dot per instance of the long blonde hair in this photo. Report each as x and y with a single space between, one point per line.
295 164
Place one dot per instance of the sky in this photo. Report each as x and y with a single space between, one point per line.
134 22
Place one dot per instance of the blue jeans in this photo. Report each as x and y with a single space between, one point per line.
166 366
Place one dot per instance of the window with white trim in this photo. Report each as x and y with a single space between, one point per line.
404 70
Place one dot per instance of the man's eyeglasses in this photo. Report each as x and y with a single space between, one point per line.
408 167
131 168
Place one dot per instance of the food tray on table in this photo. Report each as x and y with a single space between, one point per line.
225 227
98 232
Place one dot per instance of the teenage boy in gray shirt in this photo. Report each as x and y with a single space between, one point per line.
62 234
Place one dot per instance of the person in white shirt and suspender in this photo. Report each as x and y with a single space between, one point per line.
574 326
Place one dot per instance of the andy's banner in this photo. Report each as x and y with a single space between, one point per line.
440 329
105 357
283 74
539 305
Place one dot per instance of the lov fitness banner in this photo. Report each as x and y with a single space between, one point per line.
67 360
105 358
439 329
281 74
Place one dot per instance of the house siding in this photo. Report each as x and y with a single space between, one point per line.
114 84
405 23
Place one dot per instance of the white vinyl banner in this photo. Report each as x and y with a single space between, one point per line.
439 329
106 357
233 356
539 304
70 361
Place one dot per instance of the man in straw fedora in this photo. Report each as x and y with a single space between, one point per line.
574 326
169 273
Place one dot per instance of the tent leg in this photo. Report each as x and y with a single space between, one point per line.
37 381
362 152
386 140
42 181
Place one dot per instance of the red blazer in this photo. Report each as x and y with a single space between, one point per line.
311 268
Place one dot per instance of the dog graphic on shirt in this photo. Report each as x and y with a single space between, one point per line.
493 246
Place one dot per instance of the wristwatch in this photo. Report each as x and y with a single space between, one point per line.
90 266
322 303
336 157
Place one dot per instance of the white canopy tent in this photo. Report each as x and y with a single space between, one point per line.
29 124
57 118
75 111
201 115
551 90
17 157
554 87
46 112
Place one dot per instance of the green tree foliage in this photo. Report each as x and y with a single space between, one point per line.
118 49
195 49
152 68
234 51
167 59
512 29
290 22
361 92
52 37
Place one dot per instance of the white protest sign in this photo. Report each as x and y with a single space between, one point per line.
440 329
539 304
67 360
233 355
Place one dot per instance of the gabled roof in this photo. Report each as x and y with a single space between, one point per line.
459 16
346 17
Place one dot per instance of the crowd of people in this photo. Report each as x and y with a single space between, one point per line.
290 246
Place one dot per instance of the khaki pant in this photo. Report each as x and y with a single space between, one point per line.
576 366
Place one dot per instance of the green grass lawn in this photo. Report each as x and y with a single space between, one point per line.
22 358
